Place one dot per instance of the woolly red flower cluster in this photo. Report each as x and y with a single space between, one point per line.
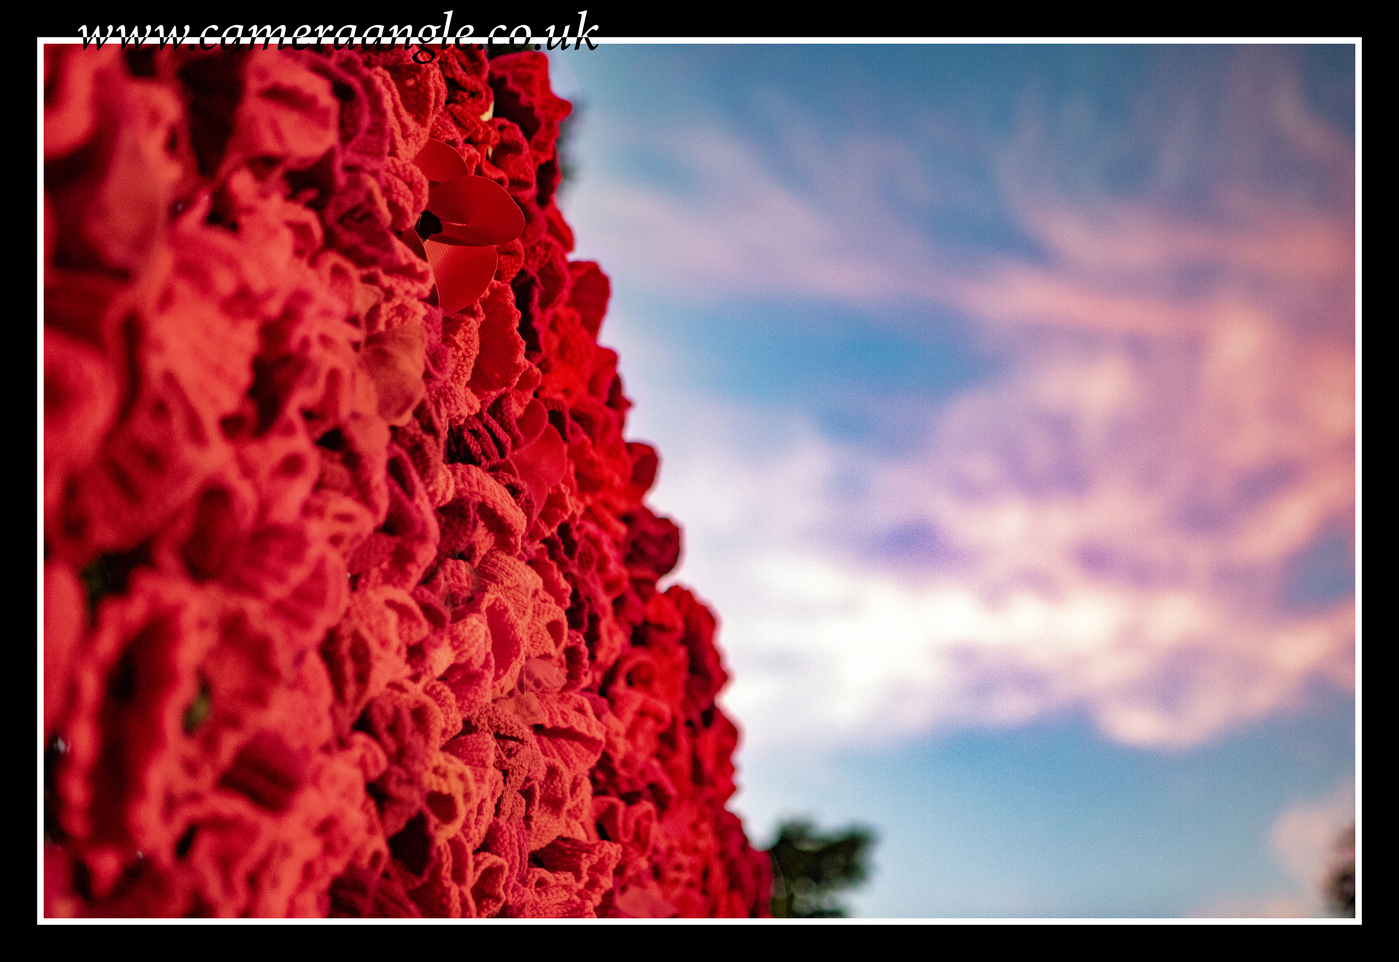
350 604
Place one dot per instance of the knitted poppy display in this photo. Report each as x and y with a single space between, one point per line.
350 593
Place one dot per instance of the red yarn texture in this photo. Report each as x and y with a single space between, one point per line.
350 607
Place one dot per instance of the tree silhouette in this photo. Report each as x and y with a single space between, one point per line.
810 869
1340 882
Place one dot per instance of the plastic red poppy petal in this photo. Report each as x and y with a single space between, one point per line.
475 211
414 242
462 273
462 235
440 162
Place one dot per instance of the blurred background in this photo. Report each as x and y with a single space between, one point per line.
1006 397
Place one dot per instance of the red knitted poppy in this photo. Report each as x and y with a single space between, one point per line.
351 605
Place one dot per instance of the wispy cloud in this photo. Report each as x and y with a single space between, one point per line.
1110 527
745 230
1024 563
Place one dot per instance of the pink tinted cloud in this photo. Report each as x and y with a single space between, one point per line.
1121 522
1157 463
1118 517
1118 269
1128 503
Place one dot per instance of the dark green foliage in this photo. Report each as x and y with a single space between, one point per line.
810 869
1340 883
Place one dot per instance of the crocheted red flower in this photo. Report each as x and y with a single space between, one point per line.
351 600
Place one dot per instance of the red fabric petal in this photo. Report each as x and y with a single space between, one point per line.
462 273
474 212
440 162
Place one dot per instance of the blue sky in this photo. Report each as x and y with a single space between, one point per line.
1006 397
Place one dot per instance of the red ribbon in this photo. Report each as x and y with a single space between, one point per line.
476 214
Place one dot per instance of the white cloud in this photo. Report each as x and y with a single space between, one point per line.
1108 528
1114 530
1166 639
